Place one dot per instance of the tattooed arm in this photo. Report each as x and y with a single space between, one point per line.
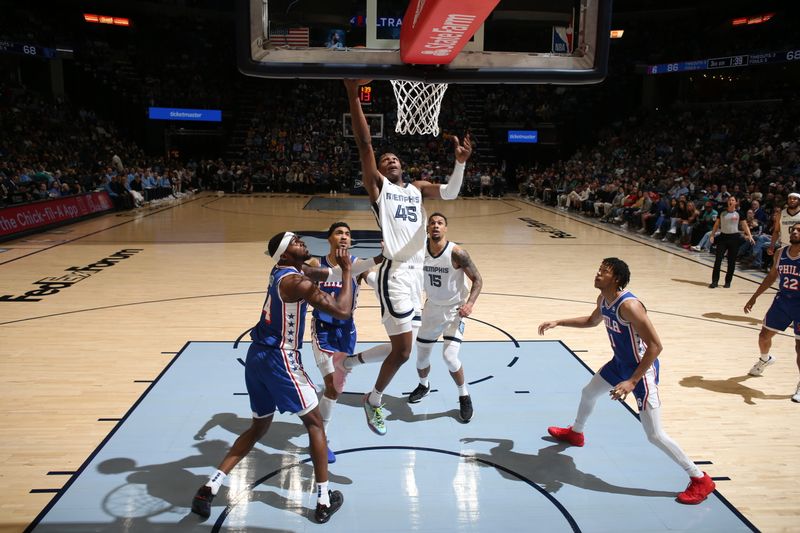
461 259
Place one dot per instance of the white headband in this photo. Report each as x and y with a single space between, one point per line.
795 194
287 238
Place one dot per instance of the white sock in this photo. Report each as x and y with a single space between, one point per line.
765 356
322 493
326 411
215 481
424 382
462 390
376 354
375 398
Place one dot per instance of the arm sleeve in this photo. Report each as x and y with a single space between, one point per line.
359 267
450 191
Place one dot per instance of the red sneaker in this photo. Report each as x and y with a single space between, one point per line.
566 435
698 490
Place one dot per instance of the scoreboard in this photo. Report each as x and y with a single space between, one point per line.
743 60
26 49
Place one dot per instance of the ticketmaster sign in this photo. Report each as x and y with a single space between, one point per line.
175 113
523 136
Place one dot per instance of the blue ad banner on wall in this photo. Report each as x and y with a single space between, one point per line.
523 136
176 113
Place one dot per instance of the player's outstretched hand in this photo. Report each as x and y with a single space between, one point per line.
463 150
544 326
353 85
343 260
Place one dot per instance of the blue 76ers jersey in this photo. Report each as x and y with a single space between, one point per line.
627 345
789 274
282 323
333 288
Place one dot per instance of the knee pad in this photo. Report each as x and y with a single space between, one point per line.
424 354
450 354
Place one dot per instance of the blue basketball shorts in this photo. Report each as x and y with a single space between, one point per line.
275 378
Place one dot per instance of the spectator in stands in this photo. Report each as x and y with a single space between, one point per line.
687 224
486 183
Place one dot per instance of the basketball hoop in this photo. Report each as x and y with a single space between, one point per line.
418 106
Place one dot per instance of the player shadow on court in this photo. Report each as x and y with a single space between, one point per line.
734 318
551 470
691 282
279 435
398 408
172 485
731 386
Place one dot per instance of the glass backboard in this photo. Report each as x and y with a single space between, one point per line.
522 41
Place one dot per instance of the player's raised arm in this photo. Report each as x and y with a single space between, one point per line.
766 283
589 321
361 133
450 190
314 270
294 288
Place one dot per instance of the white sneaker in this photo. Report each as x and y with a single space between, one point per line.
697 249
796 397
760 365
624 226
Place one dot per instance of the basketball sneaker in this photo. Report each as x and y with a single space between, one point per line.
324 512
760 365
796 397
339 371
331 455
201 504
374 417
698 490
419 393
465 408
566 435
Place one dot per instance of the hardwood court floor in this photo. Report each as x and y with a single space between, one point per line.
140 285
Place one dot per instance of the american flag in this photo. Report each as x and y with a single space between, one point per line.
288 36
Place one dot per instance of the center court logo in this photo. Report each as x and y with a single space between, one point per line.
364 243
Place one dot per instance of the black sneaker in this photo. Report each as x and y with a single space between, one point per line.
419 393
324 512
201 504
465 408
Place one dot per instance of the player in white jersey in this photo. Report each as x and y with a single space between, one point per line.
784 220
398 209
633 368
448 301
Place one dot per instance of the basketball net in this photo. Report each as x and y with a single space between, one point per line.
418 106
